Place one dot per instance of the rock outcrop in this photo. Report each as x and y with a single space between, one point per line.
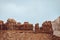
46 27
12 30
56 26
1 24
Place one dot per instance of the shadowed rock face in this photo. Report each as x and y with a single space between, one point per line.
56 26
10 20
37 29
54 37
1 24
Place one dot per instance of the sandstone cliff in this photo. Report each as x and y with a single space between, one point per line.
12 30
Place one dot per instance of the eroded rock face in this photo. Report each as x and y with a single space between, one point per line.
13 30
28 26
56 26
10 24
10 20
54 37
17 26
1 24
28 35
37 29
47 27
17 35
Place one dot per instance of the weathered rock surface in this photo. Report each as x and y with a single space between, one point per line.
10 24
1 24
18 35
12 30
56 26
46 28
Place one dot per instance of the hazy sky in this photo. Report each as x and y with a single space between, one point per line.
33 11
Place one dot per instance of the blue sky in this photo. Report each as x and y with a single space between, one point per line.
33 11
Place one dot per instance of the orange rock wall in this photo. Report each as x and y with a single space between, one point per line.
11 24
12 30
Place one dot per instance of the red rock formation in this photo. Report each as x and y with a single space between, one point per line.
1 24
37 29
10 24
25 26
47 27
17 26
28 26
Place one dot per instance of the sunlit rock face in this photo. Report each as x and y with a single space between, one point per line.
11 20
37 29
17 26
10 24
27 26
56 26
18 35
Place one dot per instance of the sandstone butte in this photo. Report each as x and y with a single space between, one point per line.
12 30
